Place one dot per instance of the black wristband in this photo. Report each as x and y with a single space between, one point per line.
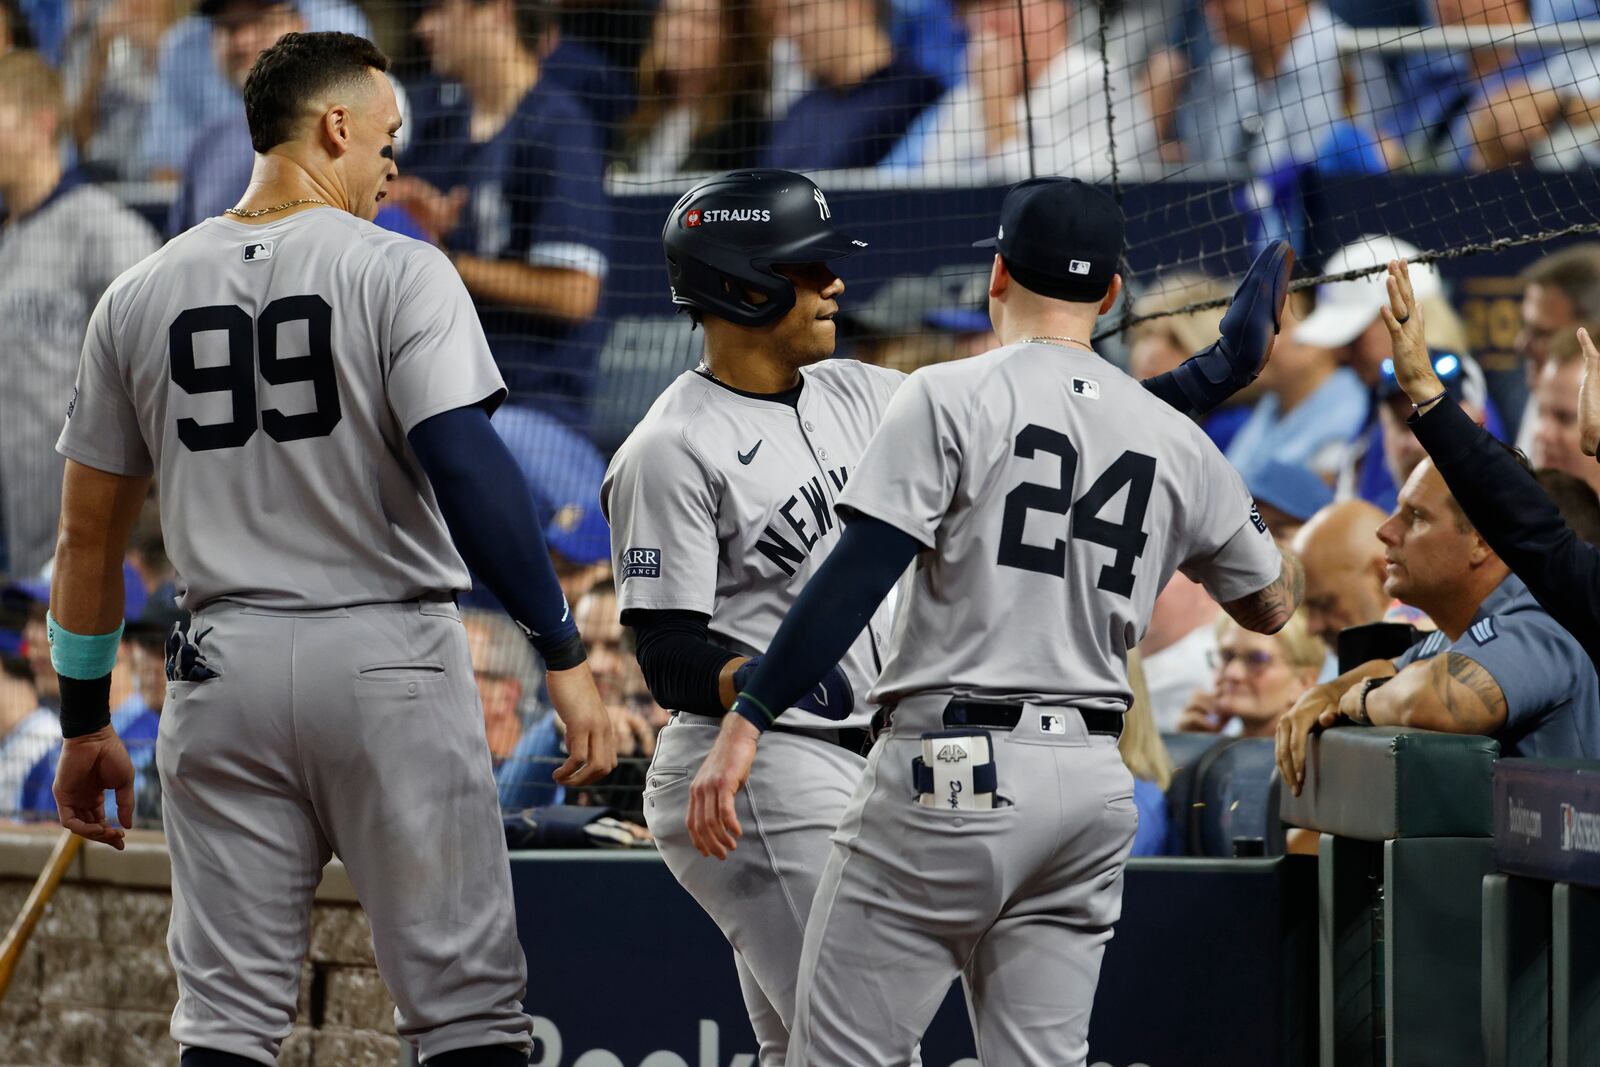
567 655
1367 686
85 705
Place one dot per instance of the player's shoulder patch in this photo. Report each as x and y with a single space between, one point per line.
1256 520
641 563
1482 631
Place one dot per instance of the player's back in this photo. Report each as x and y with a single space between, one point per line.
1057 497
268 375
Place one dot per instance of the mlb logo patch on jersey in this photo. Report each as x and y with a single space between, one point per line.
1482 631
641 563
1052 724
1087 388
258 250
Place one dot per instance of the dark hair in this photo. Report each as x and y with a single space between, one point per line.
1578 504
1575 272
16 24
1464 524
295 71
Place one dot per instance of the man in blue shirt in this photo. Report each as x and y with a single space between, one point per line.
505 172
1498 665
865 96
192 90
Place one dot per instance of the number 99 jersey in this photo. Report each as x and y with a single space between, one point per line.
269 375
1055 497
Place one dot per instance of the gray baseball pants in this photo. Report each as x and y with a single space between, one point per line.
354 732
1019 901
760 896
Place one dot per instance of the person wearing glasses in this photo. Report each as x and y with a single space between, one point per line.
1258 678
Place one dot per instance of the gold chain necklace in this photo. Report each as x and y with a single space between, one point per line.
258 212
1050 339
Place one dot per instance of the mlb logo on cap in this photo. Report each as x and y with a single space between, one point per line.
1078 266
259 250
692 218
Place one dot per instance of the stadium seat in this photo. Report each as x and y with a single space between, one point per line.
1235 797
1186 751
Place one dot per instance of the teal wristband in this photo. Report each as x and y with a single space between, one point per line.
82 656
753 711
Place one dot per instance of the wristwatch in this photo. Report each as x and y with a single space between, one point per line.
1367 686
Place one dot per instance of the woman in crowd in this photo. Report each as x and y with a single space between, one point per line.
702 90
1259 677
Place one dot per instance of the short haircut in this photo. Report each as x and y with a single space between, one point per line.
1575 272
296 71
1578 504
31 83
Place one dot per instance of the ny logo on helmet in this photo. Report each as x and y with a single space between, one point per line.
822 204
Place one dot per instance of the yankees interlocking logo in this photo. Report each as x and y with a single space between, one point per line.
822 204
951 754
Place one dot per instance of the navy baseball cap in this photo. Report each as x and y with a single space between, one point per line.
1060 237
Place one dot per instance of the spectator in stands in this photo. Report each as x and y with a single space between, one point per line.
1277 96
1576 500
109 65
218 167
702 90
1178 647
62 242
1464 384
504 665
1556 441
1560 291
1159 344
525 778
192 90
1344 568
508 178
1499 664
1149 763
27 727
1286 495
1258 678
981 129
1309 411
864 95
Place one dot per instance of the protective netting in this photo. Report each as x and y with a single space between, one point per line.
544 145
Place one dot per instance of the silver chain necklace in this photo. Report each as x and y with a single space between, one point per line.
1050 339
258 212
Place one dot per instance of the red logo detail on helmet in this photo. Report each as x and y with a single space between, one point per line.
692 218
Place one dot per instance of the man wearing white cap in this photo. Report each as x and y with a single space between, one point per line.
1346 317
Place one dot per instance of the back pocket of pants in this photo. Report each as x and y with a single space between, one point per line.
400 672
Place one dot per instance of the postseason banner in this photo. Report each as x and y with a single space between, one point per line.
1547 819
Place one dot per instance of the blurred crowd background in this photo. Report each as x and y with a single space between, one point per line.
544 142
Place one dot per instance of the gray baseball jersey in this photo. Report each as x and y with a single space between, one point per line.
270 374
1056 496
722 502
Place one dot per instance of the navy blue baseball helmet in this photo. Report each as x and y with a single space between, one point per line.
725 235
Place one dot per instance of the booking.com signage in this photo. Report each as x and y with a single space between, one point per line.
1212 963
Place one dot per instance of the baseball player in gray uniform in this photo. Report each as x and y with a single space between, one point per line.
314 393
721 506
1044 499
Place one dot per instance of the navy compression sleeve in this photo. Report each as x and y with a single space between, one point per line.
682 666
493 524
829 614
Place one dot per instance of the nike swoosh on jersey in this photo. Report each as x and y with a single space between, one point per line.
746 457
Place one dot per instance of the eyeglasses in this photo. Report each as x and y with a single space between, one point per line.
1254 661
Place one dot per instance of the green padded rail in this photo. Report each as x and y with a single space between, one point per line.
1381 784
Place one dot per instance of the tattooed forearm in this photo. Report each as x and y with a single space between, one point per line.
1467 693
1268 610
